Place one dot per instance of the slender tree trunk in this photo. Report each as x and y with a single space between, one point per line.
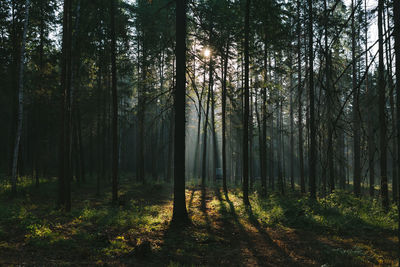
204 160
382 108
300 102
179 211
396 13
313 133
329 104
251 134
291 123
388 49
370 126
114 107
224 78
356 108
215 164
263 143
246 107
20 114
65 137
141 117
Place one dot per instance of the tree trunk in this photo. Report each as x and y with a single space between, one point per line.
370 122
215 164
313 133
246 107
356 119
114 107
20 114
65 137
396 13
291 124
204 160
329 100
179 210
382 108
224 77
300 102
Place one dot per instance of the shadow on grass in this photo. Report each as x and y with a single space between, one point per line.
261 259
339 214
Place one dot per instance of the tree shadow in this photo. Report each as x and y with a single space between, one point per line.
262 260
313 220
189 206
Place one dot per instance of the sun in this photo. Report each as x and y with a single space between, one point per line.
207 52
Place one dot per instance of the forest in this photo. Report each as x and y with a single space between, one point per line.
200 133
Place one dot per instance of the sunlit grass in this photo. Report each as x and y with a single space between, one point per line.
98 231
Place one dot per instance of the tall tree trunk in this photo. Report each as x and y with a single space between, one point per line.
20 114
382 108
224 78
313 134
291 123
215 164
356 110
114 107
300 102
205 131
396 13
389 62
179 211
329 104
251 134
370 126
246 107
65 137
263 141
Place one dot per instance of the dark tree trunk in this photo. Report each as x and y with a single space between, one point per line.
20 113
329 97
65 145
204 159
313 134
396 12
179 211
246 107
224 78
382 108
356 120
114 107
370 126
291 124
215 164
263 139
300 102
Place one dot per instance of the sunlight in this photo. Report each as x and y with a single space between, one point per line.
207 52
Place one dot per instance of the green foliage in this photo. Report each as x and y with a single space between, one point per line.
340 213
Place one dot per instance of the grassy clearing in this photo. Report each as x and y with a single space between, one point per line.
339 230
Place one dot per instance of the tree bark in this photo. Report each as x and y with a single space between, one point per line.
114 106
396 13
313 134
370 126
382 108
20 114
300 102
356 108
246 107
224 78
179 210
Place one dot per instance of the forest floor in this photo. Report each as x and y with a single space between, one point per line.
339 230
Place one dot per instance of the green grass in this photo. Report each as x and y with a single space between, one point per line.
339 213
339 229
